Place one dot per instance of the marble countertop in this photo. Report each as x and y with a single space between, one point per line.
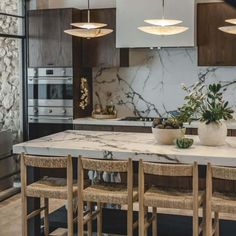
119 122
127 145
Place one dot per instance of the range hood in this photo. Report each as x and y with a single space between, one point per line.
131 14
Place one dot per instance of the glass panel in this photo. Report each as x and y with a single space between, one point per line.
10 87
10 25
13 7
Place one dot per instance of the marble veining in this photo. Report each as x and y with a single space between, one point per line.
151 86
114 145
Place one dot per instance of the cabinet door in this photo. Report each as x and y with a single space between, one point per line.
102 51
215 48
132 13
49 46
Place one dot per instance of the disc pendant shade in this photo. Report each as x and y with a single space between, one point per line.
163 27
163 22
229 29
163 30
231 21
88 29
88 33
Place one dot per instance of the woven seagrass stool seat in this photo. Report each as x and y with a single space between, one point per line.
101 193
157 197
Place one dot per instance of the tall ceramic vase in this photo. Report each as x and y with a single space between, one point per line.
212 134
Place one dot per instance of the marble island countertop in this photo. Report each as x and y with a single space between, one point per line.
127 145
119 122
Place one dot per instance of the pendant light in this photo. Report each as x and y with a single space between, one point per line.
229 29
163 26
88 29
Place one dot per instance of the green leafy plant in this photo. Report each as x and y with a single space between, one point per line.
170 123
214 108
205 103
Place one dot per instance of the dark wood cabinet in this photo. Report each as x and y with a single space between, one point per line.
102 52
49 46
215 48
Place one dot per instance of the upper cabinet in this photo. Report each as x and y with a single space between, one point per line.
49 46
132 13
102 51
215 48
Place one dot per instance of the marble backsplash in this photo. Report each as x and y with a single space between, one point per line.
151 86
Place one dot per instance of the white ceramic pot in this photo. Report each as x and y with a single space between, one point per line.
167 136
213 134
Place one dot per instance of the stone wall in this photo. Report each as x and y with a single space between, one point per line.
10 71
151 86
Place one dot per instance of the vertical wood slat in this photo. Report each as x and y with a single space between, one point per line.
130 198
70 196
99 219
23 196
195 200
80 196
154 223
208 202
141 200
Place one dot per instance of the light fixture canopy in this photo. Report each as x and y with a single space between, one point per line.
228 29
163 27
88 29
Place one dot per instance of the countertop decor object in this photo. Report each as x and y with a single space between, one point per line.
89 29
163 26
184 143
215 111
166 131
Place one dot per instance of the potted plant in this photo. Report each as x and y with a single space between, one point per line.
166 131
206 103
214 111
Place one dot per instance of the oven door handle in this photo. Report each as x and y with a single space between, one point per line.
48 80
51 118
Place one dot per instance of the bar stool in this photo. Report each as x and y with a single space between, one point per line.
218 202
101 193
47 188
156 197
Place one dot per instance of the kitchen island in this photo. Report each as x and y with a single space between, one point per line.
115 145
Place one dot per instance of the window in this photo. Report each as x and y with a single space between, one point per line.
12 74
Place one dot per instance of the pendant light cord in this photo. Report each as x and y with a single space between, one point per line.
163 9
88 11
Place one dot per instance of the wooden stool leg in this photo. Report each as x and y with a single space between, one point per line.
130 217
23 197
217 225
24 215
195 221
70 217
154 223
89 206
145 220
46 213
99 219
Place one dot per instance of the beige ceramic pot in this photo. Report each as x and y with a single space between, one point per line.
213 134
167 136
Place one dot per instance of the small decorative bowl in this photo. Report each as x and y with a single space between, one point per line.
184 143
167 136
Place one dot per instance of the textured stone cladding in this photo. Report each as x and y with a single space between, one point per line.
10 70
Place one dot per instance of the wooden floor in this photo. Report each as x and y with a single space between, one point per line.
10 215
